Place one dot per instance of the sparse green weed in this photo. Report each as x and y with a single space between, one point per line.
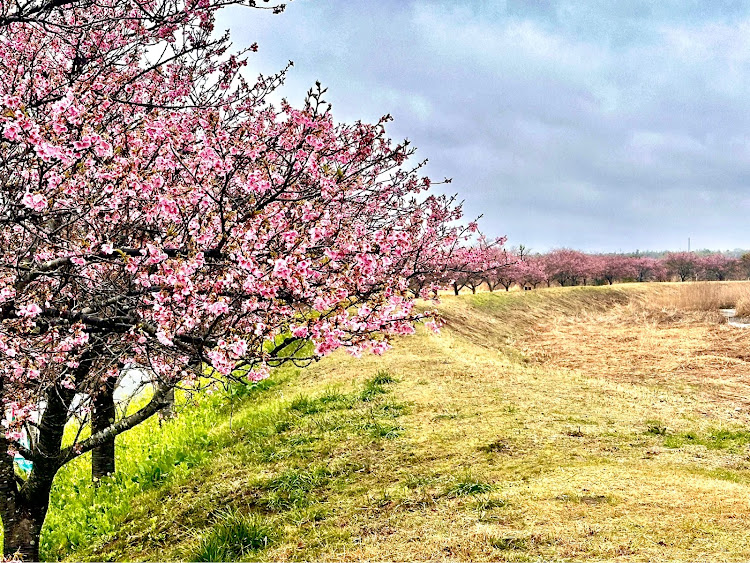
467 486
508 543
656 428
234 537
717 439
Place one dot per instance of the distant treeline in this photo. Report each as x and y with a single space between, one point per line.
496 267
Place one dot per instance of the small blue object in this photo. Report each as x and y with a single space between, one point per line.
22 463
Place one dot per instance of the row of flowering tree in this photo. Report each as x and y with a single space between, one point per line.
570 267
496 267
157 213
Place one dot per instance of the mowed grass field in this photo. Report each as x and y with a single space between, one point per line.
569 423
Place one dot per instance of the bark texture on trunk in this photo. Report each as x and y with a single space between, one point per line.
22 533
102 417
168 411
23 505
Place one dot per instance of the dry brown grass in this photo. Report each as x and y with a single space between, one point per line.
692 352
743 306
696 296
669 336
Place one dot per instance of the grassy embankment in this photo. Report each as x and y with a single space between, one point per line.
584 423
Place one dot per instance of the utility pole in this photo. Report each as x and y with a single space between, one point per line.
688 244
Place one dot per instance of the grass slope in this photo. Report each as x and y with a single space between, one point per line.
490 440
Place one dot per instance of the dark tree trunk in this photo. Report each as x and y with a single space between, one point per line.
455 288
21 527
24 505
22 533
102 417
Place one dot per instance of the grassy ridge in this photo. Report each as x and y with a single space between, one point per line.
171 500
150 455
462 445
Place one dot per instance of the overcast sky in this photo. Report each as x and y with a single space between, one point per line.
596 125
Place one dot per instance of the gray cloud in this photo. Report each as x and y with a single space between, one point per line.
595 125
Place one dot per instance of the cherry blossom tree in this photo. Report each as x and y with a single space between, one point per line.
158 213
470 264
717 266
505 270
531 271
647 268
683 265
615 267
566 266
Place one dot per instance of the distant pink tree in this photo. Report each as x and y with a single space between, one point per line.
505 269
683 265
531 271
469 266
566 266
647 268
717 266
615 267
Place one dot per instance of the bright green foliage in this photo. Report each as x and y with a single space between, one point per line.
148 455
288 441
467 485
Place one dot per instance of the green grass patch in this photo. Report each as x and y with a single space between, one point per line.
489 503
468 485
376 386
656 428
235 536
278 438
148 456
508 543
717 439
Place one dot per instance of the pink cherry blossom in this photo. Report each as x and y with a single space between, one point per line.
37 202
30 310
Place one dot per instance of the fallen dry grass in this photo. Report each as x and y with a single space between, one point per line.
670 336
695 296
743 306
